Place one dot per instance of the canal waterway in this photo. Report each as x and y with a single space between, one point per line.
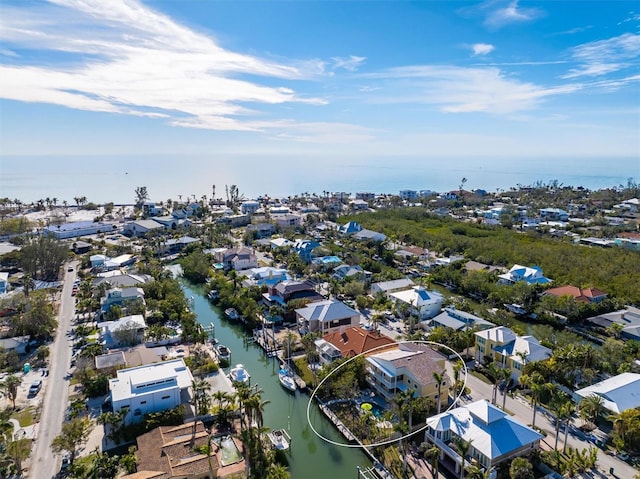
310 457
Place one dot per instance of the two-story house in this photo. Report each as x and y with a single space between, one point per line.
349 342
494 436
528 274
418 301
236 258
326 316
503 346
120 297
409 367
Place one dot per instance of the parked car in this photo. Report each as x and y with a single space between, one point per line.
35 387
70 269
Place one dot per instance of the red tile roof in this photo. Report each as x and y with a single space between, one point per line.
579 294
353 341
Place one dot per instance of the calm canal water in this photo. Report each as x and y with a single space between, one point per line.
310 457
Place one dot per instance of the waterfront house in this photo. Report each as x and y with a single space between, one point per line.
150 388
628 318
419 302
494 436
583 295
115 279
619 393
325 263
408 367
528 274
236 258
175 245
280 243
126 331
304 248
348 342
457 320
285 291
326 316
265 276
388 287
120 297
344 271
503 346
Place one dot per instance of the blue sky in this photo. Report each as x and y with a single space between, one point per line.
347 78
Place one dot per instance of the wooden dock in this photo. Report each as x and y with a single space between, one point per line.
266 341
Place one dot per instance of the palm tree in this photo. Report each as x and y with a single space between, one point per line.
432 455
537 386
591 407
201 400
566 413
457 367
10 386
438 378
494 371
462 447
505 376
28 284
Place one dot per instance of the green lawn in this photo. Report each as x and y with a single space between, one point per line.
481 377
24 417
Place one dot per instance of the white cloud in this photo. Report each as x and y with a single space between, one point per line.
350 63
462 90
122 57
511 13
605 56
482 48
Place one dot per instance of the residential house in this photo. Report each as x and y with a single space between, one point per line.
359 205
554 214
286 291
619 393
326 263
237 258
126 331
326 316
150 208
179 452
349 228
409 195
458 320
628 318
175 245
280 243
345 271
530 275
583 295
97 261
447 260
288 220
120 297
262 230
249 207
304 248
476 266
494 436
266 276
150 388
368 235
628 240
4 282
503 346
140 227
110 362
365 196
102 263
79 228
17 343
388 287
116 279
419 302
408 367
412 253
348 342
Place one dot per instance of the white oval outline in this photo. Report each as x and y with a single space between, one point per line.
384 443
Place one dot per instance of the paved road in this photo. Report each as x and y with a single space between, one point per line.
520 408
44 464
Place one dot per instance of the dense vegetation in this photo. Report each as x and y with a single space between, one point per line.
614 270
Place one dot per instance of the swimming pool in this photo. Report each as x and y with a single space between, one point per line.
373 408
229 452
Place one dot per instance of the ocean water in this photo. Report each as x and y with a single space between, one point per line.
109 178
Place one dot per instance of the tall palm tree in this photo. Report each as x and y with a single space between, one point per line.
432 455
10 386
457 367
505 376
462 446
591 407
438 378
494 370
566 413
201 400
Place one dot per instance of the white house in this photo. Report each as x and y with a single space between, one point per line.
425 304
528 274
120 296
326 316
619 393
388 287
494 436
150 388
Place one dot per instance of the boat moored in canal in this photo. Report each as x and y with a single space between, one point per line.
280 439
231 313
239 374
223 352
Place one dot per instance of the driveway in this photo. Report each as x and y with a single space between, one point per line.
42 463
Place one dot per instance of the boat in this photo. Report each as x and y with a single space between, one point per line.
213 295
285 376
239 374
231 313
279 439
223 352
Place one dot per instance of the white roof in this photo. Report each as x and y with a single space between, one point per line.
127 322
491 431
619 393
418 296
147 378
4 276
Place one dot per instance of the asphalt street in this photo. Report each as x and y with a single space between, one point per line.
44 463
